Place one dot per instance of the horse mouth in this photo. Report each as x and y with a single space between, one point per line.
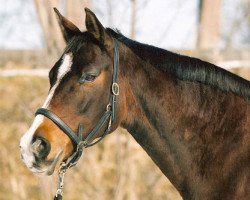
49 167
52 167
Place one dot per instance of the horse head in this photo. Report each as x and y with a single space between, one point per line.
81 84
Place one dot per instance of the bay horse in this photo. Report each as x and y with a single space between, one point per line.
191 117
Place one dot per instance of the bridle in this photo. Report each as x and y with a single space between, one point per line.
108 118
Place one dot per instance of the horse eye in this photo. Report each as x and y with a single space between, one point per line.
90 77
87 78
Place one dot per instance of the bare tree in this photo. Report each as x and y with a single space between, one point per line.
209 24
133 19
73 10
109 10
53 40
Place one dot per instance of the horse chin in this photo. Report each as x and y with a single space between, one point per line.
49 167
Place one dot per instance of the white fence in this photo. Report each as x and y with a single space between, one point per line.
24 72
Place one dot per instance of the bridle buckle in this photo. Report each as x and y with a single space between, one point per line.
115 89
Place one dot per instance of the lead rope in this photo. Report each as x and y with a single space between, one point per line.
68 164
59 191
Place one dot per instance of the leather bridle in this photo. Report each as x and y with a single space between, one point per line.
108 118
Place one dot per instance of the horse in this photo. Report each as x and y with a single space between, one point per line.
190 116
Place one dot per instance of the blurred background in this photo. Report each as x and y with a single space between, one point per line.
30 43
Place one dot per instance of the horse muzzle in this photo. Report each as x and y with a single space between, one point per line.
34 156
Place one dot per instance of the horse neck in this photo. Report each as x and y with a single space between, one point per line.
147 119
165 124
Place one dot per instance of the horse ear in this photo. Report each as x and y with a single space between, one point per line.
67 27
96 29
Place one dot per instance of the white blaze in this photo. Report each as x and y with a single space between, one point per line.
62 71
26 140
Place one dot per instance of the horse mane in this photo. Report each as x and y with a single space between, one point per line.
187 68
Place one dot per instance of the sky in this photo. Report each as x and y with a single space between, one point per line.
19 26
170 24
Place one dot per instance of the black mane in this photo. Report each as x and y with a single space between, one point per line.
187 68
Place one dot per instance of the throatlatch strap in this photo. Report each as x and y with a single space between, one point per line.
100 124
115 86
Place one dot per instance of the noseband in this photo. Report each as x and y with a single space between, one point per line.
108 118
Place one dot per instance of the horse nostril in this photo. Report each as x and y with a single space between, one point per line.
40 147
